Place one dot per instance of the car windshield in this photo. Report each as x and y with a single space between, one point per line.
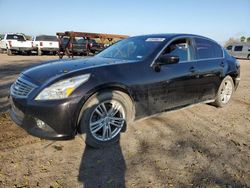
135 48
47 38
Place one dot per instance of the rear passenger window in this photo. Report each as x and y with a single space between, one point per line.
238 48
207 49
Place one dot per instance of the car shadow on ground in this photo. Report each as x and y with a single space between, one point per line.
102 167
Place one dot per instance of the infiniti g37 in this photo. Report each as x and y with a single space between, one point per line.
134 78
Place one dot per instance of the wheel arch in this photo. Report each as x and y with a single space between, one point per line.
233 76
98 89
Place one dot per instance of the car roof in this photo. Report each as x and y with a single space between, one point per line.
170 36
173 35
240 43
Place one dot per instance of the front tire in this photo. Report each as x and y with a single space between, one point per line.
104 116
39 52
225 92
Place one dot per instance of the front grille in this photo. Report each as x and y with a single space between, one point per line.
22 88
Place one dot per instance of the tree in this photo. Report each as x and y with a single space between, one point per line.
231 41
242 39
248 39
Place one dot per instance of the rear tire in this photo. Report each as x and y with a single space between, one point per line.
103 129
225 92
9 52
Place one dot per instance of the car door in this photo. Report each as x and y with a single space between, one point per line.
174 84
238 51
209 65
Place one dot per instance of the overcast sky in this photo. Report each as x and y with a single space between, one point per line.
218 19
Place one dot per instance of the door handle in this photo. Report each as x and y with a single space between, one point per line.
192 69
222 64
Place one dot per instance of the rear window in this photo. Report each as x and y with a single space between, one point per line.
46 38
229 47
16 37
238 48
207 49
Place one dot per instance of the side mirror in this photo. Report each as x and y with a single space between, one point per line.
167 59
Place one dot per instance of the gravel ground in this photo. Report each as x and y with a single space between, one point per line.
201 146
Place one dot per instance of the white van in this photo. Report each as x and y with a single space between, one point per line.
239 50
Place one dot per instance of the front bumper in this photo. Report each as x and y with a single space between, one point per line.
49 49
58 117
22 49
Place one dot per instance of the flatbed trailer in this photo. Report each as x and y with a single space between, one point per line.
68 48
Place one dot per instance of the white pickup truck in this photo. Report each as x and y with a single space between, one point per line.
45 44
15 43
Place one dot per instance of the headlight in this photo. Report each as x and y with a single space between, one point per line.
62 89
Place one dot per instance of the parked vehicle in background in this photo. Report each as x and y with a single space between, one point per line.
45 44
77 46
94 46
134 78
15 43
239 50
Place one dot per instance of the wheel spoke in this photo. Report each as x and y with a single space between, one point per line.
101 110
115 109
118 122
104 133
96 126
109 131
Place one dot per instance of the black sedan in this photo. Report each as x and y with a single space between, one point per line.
134 78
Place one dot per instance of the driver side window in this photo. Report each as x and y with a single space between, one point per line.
181 48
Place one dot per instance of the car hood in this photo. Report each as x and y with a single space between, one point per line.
46 71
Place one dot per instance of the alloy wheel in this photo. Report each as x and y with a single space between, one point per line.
107 120
226 92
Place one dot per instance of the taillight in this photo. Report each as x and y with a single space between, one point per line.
10 43
41 43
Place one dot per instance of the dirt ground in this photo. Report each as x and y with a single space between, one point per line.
201 146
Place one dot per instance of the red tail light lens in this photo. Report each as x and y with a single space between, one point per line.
10 44
41 43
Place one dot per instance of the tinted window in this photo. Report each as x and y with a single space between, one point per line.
92 41
238 48
46 38
229 48
15 37
134 48
207 49
81 41
180 48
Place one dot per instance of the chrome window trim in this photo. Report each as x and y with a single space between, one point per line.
190 37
